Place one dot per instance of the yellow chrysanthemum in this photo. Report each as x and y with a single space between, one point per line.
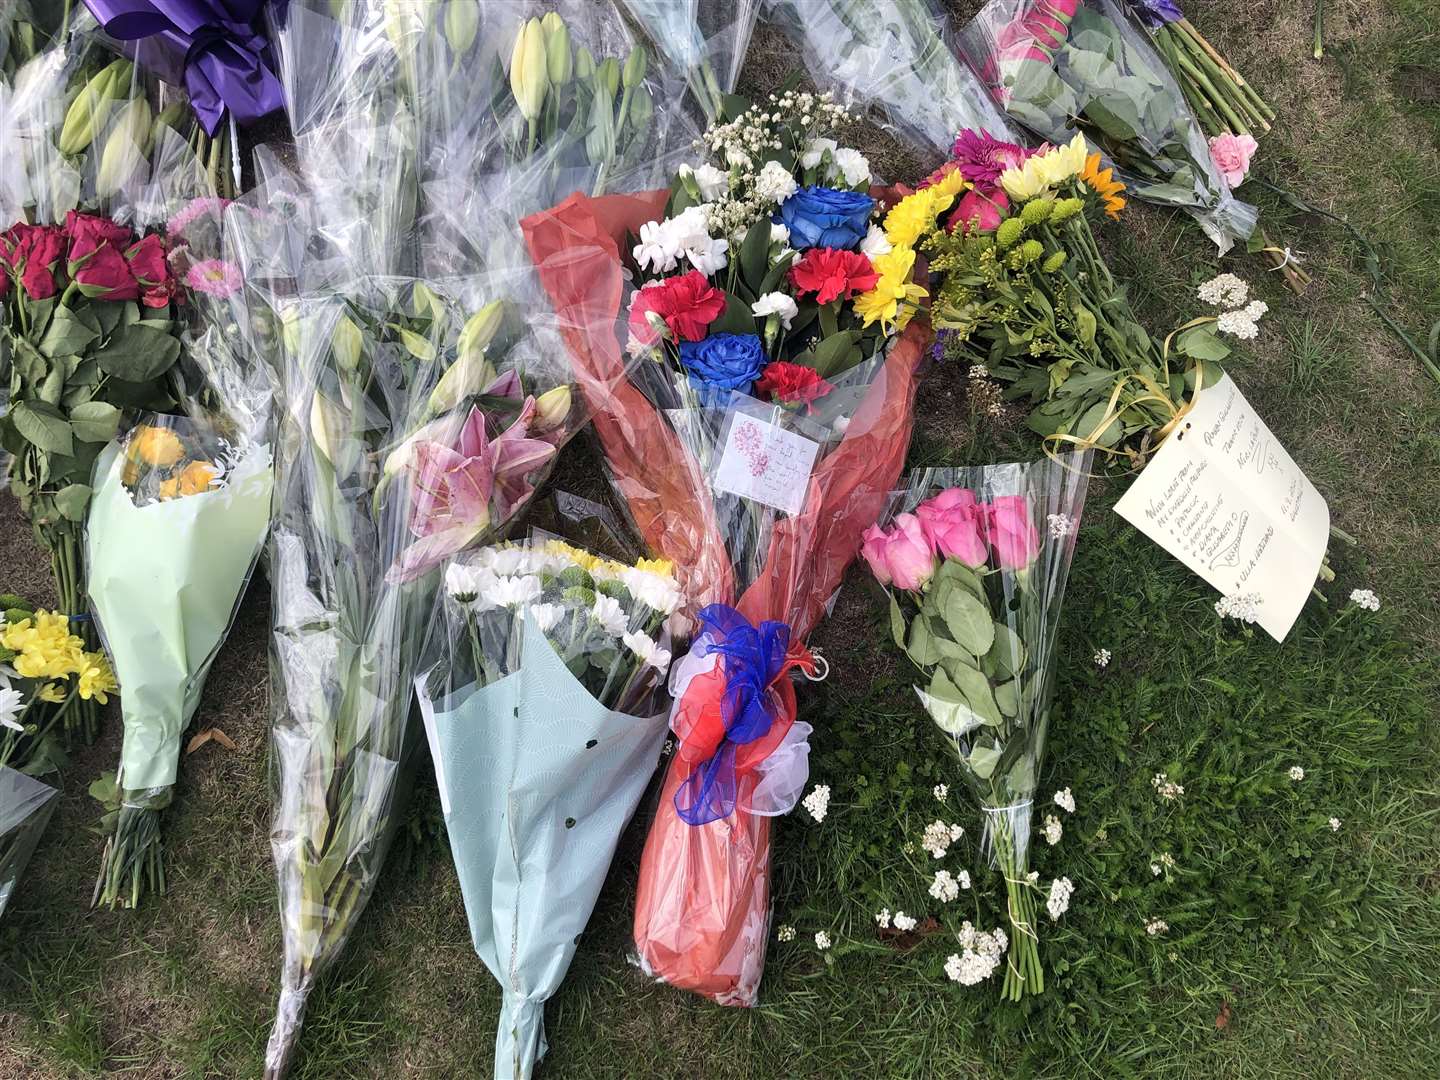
1045 171
156 446
578 556
663 567
892 300
96 678
1024 183
44 646
52 692
191 480
914 216
1102 182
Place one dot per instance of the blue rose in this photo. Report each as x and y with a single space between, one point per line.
826 217
723 362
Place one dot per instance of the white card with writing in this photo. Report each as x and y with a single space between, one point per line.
764 462
1223 496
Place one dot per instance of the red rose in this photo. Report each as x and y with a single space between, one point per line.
688 304
832 274
152 271
106 275
792 384
88 232
32 252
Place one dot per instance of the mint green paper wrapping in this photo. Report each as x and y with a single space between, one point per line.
25 808
537 781
164 582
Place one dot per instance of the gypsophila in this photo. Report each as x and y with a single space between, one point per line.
1052 830
785 933
1297 773
1334 824
1166 788
1156 927
944 888
882 918
1065 800
822 940
1245 607
1365 598
1227 291
1058 902
940 791
904 923
817 803
1102 658
1060 525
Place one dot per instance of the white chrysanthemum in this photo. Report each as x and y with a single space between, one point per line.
711 182
1065 800
511 591
544 616
1052 829
852 166
466 582
1226 290
12 703
816 150
776 303
1058 902
659 592
774 183
904 923
504 561
822 940
610 615
1366 599
944 888
876 243
1297 773
817 803
643 646
882 918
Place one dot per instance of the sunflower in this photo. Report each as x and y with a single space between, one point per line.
1103 184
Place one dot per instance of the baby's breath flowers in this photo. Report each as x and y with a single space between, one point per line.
1166 788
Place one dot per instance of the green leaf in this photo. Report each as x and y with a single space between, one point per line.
1007 697
735 319
1085 324
1006 657
978 694
138 353
1202 343
72 500
754 254
832 355
43 425
776 273
948 706
953 572
969 621
67 335
1086 426
897 623
983 759
105 790
95 421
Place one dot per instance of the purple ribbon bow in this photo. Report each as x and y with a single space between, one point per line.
225 59
1156 13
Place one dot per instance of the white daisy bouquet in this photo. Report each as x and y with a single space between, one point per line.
540 693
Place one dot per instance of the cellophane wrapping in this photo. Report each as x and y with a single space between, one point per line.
541 691
1057 65
892 55
25 808
976 562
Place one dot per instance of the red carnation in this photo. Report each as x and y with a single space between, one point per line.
688 304
152 271
833 274
792 384
32 251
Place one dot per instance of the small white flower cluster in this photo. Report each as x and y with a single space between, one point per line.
1058 902
1227 291
1243 323
946 887
1166 862
1102 658
822 940
1365 598
980 955
1297 773
1052 830
836 164
1065 800
882 918
1242 315
1166 788
904 923
940 791
1242 606
785 933
939 836
687 235
1334 824
1060 525
817 803
1156 927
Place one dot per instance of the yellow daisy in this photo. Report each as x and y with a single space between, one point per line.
96 678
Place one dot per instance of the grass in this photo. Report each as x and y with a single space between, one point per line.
1292 950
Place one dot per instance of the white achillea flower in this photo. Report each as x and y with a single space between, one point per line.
774 183
1156 927
1297 773
822 940
937 839
907 848
610 615
876 243
905 923
1167 860
882 918
1060 525
785 933
1052 830
1366 599
944 888
645 648
1058 902
1227 291
1166 788
940 791
1102 658
980 957
1244 323
1155 869
852 166
1245 607
776 303
1065 800
956 831
817 803
544 616
964 879
1334 824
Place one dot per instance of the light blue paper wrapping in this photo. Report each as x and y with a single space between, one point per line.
25 808
538 781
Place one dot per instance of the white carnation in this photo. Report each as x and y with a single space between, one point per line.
775 182
776 303
711 181
852 166
876 243
815 152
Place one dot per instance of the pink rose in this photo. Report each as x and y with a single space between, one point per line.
980 211
901 555
1010 532
1232 154
952 522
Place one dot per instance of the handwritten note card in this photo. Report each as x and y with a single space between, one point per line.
1224 498
766 463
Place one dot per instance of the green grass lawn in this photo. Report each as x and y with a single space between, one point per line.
1293 948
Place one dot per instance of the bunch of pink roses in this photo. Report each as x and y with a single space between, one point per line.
952 525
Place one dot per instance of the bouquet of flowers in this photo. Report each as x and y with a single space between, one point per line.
1059 65
707 42
44 665
540 697
1024 294
976 569
757 439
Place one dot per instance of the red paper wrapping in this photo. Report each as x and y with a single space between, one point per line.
702 907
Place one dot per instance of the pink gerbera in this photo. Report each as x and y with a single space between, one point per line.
215 277
982 158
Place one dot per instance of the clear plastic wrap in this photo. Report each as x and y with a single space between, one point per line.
705 41
759 504
1056 66
540 689
890 54
976 564
25 808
